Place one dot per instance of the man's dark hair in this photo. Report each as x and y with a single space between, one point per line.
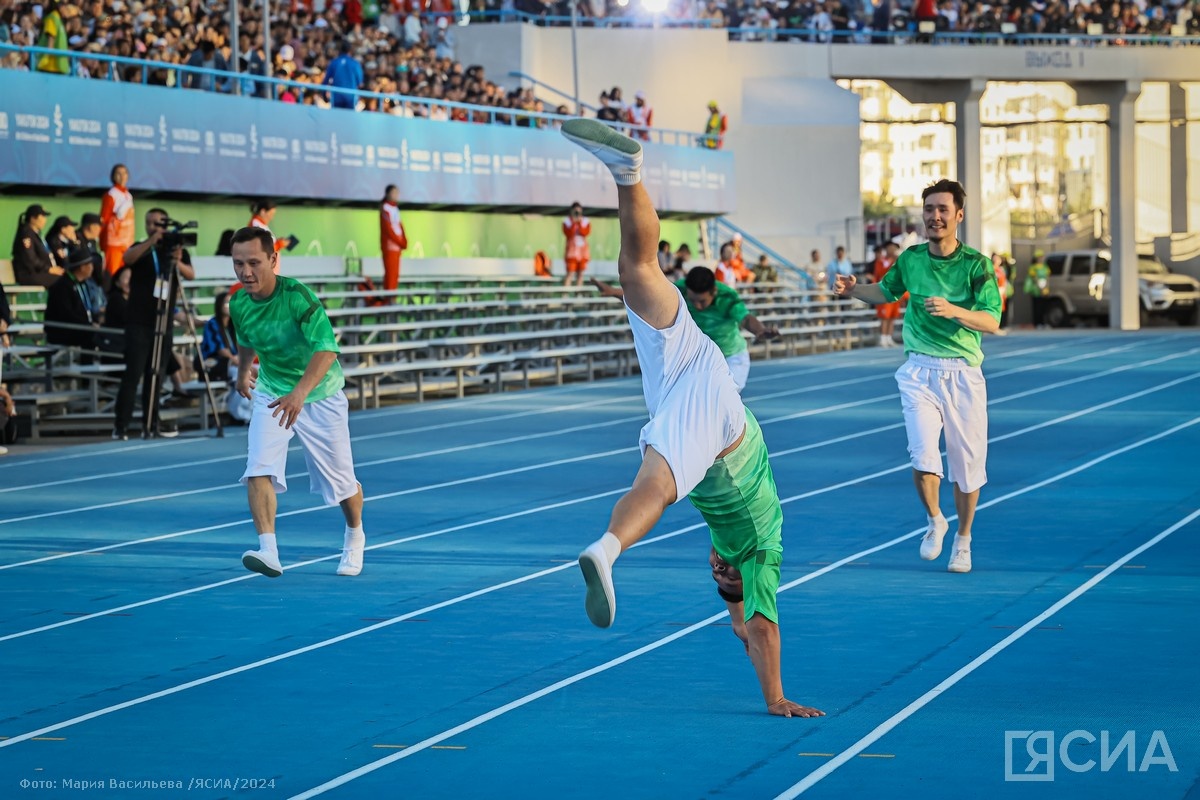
700 280
249 234
732 598
157 210
344 47
945 185
89 219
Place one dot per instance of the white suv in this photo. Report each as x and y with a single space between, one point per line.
1079 288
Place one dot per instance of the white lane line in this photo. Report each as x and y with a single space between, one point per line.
537 695
108 475
822 772
376 546
515 582
544 434
859 434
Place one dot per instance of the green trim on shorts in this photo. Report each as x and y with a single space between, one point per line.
738 499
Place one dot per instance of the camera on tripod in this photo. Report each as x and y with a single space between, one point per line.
178 234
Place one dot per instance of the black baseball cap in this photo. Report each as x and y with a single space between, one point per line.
89 219
36 210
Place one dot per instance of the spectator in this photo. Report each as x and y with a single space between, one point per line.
640 116
815 269
218 347
443 40
576 228
209 58
607 112
61 239
839 266
1000 267
118 225
664 257
31 260
68 302
5 320
116 313
724 268
764 271
53 37
8 425
683 257
741 273
715 127
344 73
89 237
1037 286
887 313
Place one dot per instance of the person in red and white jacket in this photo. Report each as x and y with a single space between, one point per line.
640 117
576 227
263 211
118 226
392 239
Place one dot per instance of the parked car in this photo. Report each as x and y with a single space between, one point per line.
1079 287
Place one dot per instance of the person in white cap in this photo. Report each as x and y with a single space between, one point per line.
640 116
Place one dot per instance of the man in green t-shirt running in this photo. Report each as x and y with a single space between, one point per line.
297 391
720 313
700 443
953 298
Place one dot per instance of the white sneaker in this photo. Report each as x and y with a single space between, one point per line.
601 600
931 542
352 559
264 562
621 154
960 561
3 450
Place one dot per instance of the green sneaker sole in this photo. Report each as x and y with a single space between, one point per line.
589 130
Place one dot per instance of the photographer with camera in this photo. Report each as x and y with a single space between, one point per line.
156 265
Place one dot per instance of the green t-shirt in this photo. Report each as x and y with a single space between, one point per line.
285 330
738 499
965 278
722 320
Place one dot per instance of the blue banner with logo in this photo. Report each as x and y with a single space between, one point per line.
57 131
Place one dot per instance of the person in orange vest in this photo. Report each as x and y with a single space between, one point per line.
887 313
741 273
118 226
714 127
262 212
576 227
392 239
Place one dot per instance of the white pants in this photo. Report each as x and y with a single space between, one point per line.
945 394
695 410
324 431
739 368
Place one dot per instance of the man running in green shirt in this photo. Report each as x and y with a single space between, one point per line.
700 442
297 391
720 313
953 298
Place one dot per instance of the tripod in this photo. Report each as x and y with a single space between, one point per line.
162 326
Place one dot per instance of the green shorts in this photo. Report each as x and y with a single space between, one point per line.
740 503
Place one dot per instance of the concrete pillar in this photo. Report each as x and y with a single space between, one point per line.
1179 157
1119 96
965 94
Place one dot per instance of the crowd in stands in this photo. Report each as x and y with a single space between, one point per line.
854 20
397 54
408 49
